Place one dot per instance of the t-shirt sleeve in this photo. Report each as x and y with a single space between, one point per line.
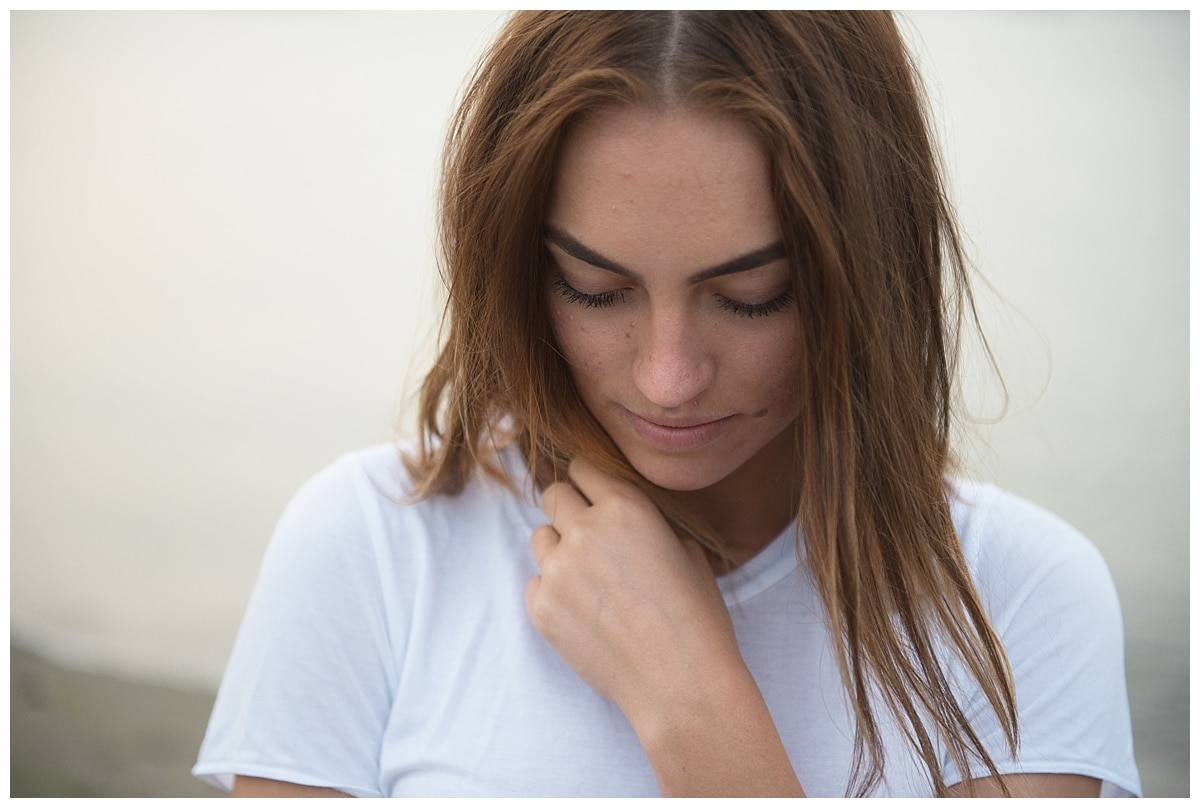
1052 600
307 691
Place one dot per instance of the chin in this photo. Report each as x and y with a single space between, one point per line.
680 475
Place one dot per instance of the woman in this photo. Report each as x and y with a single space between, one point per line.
682 520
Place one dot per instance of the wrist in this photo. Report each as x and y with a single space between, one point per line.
715 737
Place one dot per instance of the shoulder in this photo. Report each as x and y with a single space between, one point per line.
340 488
376 475
990 520
1032 568
1017 549
359 581
329 515
365 498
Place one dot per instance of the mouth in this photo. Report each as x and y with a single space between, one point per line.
678 435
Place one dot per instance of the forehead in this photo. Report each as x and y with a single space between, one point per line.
666 174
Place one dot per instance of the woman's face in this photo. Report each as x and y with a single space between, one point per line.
670 296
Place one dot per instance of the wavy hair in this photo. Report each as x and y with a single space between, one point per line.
835 100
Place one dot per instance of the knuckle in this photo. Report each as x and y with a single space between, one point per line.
551 567
542 613
626 495
555 489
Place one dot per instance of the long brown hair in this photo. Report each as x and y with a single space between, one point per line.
880 280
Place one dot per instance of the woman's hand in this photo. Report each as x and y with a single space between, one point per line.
629 605
638 615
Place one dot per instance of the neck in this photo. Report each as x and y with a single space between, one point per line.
753 505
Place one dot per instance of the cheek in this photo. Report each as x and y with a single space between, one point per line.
590 350
568 334
774 372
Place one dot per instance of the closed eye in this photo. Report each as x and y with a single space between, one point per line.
606 299
781 303
584 299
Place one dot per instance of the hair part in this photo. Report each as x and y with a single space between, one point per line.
880 279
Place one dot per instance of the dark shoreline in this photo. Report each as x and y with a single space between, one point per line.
76 734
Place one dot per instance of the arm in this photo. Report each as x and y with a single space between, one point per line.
637 613
262 787
1030 785
723 742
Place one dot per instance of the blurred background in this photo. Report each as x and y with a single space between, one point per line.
222 278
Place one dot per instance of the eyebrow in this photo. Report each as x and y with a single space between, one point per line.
751 260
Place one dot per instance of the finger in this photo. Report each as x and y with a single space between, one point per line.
543 540
593 483
561 502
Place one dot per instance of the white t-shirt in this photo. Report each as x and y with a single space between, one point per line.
386 651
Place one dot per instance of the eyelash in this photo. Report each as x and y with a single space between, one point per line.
607 299
573 295
758 309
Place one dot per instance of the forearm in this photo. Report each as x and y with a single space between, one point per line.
716 740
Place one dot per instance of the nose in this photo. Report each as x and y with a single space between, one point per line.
673 364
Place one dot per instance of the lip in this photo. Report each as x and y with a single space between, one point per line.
682 436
